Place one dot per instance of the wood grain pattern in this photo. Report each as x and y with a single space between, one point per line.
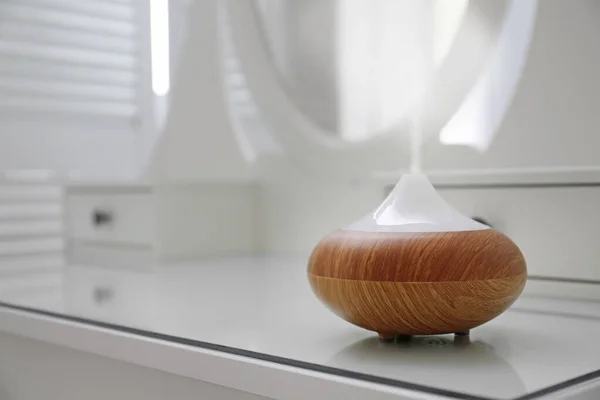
417 283
416 257
418 308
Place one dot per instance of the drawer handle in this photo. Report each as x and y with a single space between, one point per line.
102 217
102 294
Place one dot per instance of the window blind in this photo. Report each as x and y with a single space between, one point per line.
72 56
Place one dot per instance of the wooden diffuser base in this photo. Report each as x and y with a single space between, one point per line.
417 283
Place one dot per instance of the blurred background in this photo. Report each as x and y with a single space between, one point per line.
140 132
168 166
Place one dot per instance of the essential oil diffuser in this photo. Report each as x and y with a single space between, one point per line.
416 266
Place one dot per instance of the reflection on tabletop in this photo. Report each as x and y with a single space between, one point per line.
265 305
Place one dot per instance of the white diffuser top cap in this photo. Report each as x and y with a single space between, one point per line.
415 206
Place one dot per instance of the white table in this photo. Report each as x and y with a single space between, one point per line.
252 325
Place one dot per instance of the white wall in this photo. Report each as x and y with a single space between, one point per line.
198 141
294 216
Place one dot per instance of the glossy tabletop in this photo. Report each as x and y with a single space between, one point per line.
263 307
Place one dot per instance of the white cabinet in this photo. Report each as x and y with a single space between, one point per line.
139 224
550 131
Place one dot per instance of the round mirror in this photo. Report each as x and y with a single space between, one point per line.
357 68
345 85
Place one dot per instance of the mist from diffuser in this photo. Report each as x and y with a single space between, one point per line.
415 206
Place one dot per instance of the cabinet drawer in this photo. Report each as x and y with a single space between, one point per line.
557 228
119 218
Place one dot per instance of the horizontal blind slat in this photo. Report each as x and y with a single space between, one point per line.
28 263
113 109
16 66
124 2
10 11
67 90
29 211
31 246
71 55
30 228
45 34
17 192
114 10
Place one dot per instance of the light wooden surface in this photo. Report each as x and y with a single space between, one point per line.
417 283
418 308
416 257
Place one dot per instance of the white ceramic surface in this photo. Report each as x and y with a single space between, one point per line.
265 305
415 206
